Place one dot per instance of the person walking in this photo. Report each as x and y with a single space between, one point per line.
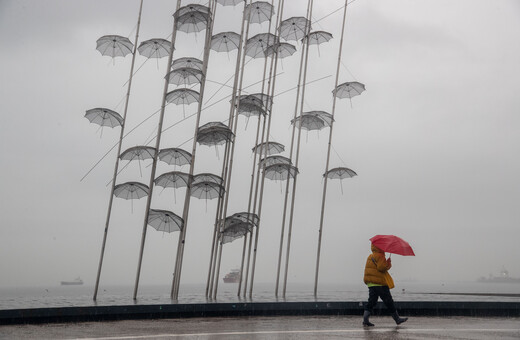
379 283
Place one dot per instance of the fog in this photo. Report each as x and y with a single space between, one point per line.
434 140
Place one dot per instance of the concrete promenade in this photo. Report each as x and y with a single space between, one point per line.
275 327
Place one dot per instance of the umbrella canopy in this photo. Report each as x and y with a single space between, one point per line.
225 41
114 46
270 160
172 179
229 2
234 229
192 8
318 37
192 22
294 28
138 152
348 89
309 122
183 97
104 117
259 12
214 134
270 147
175 156
207 190
279 172
131 190
187 62
257 45
164 220
207 177
154 48
340 173
284 50
249 109
259 99
247 217
392 244
185 76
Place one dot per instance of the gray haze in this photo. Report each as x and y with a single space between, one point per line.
435 141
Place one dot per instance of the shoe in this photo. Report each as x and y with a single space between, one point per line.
398 320
367 323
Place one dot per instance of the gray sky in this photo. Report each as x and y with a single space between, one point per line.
434 140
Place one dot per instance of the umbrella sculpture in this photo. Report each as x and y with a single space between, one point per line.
294 28
164 220
340 173
234 229
249 109
214 134
309 122
229 2
192 8
247 217
270 160
392 244
138 153
348 89
207 190
131 191
182 97
104 117
269 148
257 45
173 179
284 50
185 76
317 38
192 22
207 177
225 41
154 48
259 12
279 172
187 62
326 117
267 100
175 156
114 46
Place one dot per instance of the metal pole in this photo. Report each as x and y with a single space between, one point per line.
293 196
207 45
259 154
154 163
282 230
263 142
235 122
116 167
320 232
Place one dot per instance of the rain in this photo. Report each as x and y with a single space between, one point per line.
425 142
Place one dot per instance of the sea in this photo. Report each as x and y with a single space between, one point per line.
82 295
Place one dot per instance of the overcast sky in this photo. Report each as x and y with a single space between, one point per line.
435 142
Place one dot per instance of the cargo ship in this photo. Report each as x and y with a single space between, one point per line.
502 278
76 282
232 277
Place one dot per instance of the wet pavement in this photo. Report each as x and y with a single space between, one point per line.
275 327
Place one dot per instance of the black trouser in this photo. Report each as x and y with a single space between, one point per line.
382 292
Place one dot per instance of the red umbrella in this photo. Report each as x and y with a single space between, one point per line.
392 244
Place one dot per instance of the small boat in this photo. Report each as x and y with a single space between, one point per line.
232 277
76 282
502 278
